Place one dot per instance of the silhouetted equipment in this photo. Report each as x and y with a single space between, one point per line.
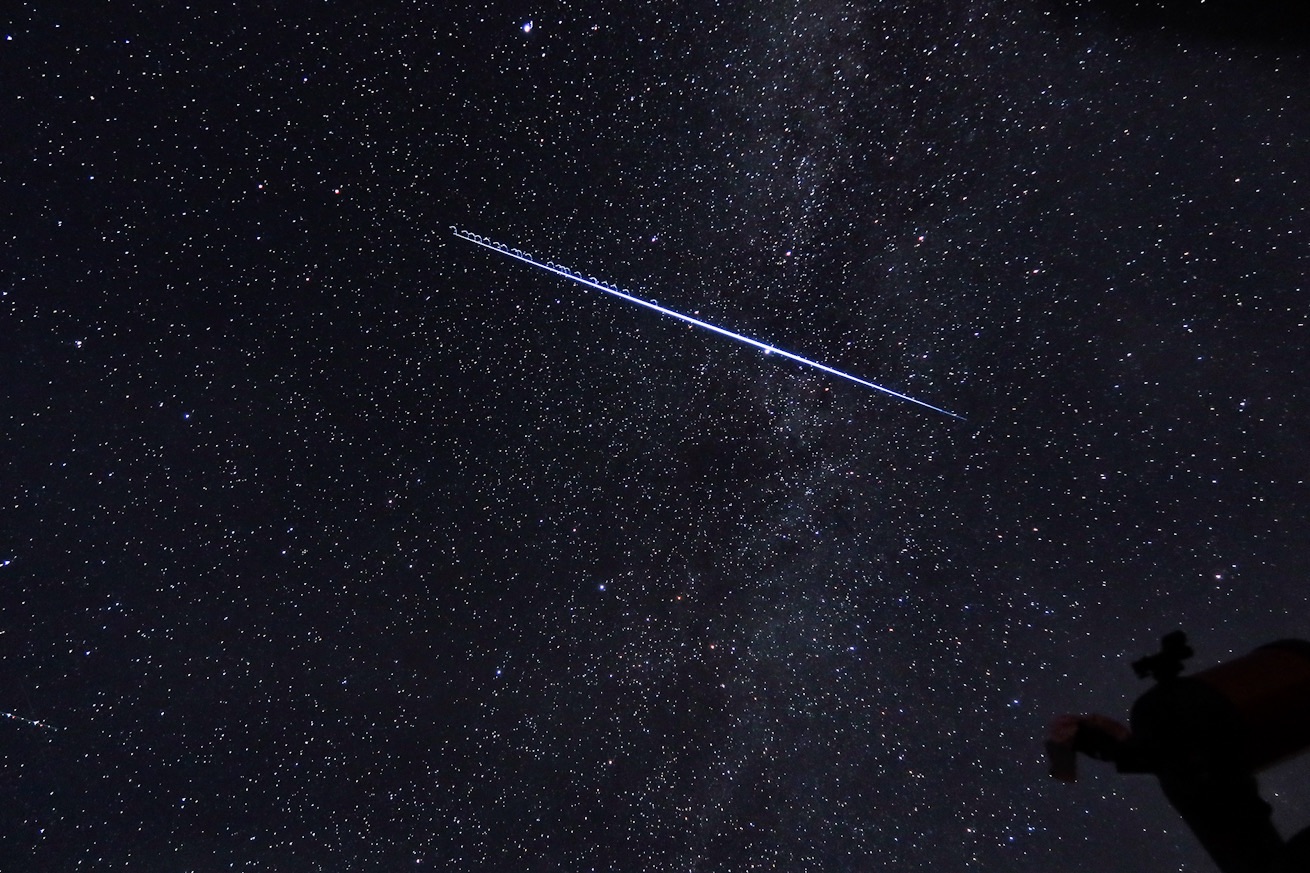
1205 736
1166 663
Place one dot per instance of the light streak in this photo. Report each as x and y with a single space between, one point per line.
30 721
592 282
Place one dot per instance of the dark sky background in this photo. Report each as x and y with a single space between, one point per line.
331 542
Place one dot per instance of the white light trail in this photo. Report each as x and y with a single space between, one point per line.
593 282
30 721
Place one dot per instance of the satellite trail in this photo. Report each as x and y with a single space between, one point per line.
620 293
29 721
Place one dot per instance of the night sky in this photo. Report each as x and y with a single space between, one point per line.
329 541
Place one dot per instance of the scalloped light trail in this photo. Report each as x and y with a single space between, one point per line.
593 282
29 721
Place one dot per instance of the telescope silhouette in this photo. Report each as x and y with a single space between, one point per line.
1205 737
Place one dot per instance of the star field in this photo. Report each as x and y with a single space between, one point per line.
328 541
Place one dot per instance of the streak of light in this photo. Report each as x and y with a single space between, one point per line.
614 290
30 721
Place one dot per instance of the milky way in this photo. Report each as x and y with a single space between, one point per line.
330 543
